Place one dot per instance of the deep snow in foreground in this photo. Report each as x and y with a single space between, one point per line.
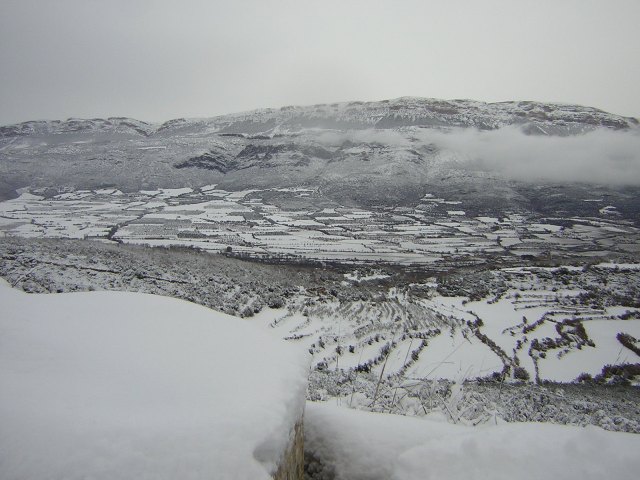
111 385
341 443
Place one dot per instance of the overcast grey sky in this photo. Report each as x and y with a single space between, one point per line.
157 60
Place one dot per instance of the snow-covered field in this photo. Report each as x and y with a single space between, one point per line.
213 219
108 385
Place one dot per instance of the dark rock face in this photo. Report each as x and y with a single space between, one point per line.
208 161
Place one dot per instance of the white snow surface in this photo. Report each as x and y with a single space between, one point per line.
359 445
107 385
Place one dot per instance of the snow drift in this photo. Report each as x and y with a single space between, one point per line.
110 385
356 445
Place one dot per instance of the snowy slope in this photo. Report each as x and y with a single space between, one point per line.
110 385
355 445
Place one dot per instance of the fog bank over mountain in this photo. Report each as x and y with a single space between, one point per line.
610 157
600 156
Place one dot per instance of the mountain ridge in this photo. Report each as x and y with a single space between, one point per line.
389 152
402 111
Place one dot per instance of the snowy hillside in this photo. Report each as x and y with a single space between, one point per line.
399 339
110 385
121 385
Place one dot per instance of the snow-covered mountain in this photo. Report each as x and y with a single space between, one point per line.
360 153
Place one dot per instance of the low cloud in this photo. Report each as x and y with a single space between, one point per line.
601 156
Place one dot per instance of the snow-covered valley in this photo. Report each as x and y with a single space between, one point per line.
418 279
